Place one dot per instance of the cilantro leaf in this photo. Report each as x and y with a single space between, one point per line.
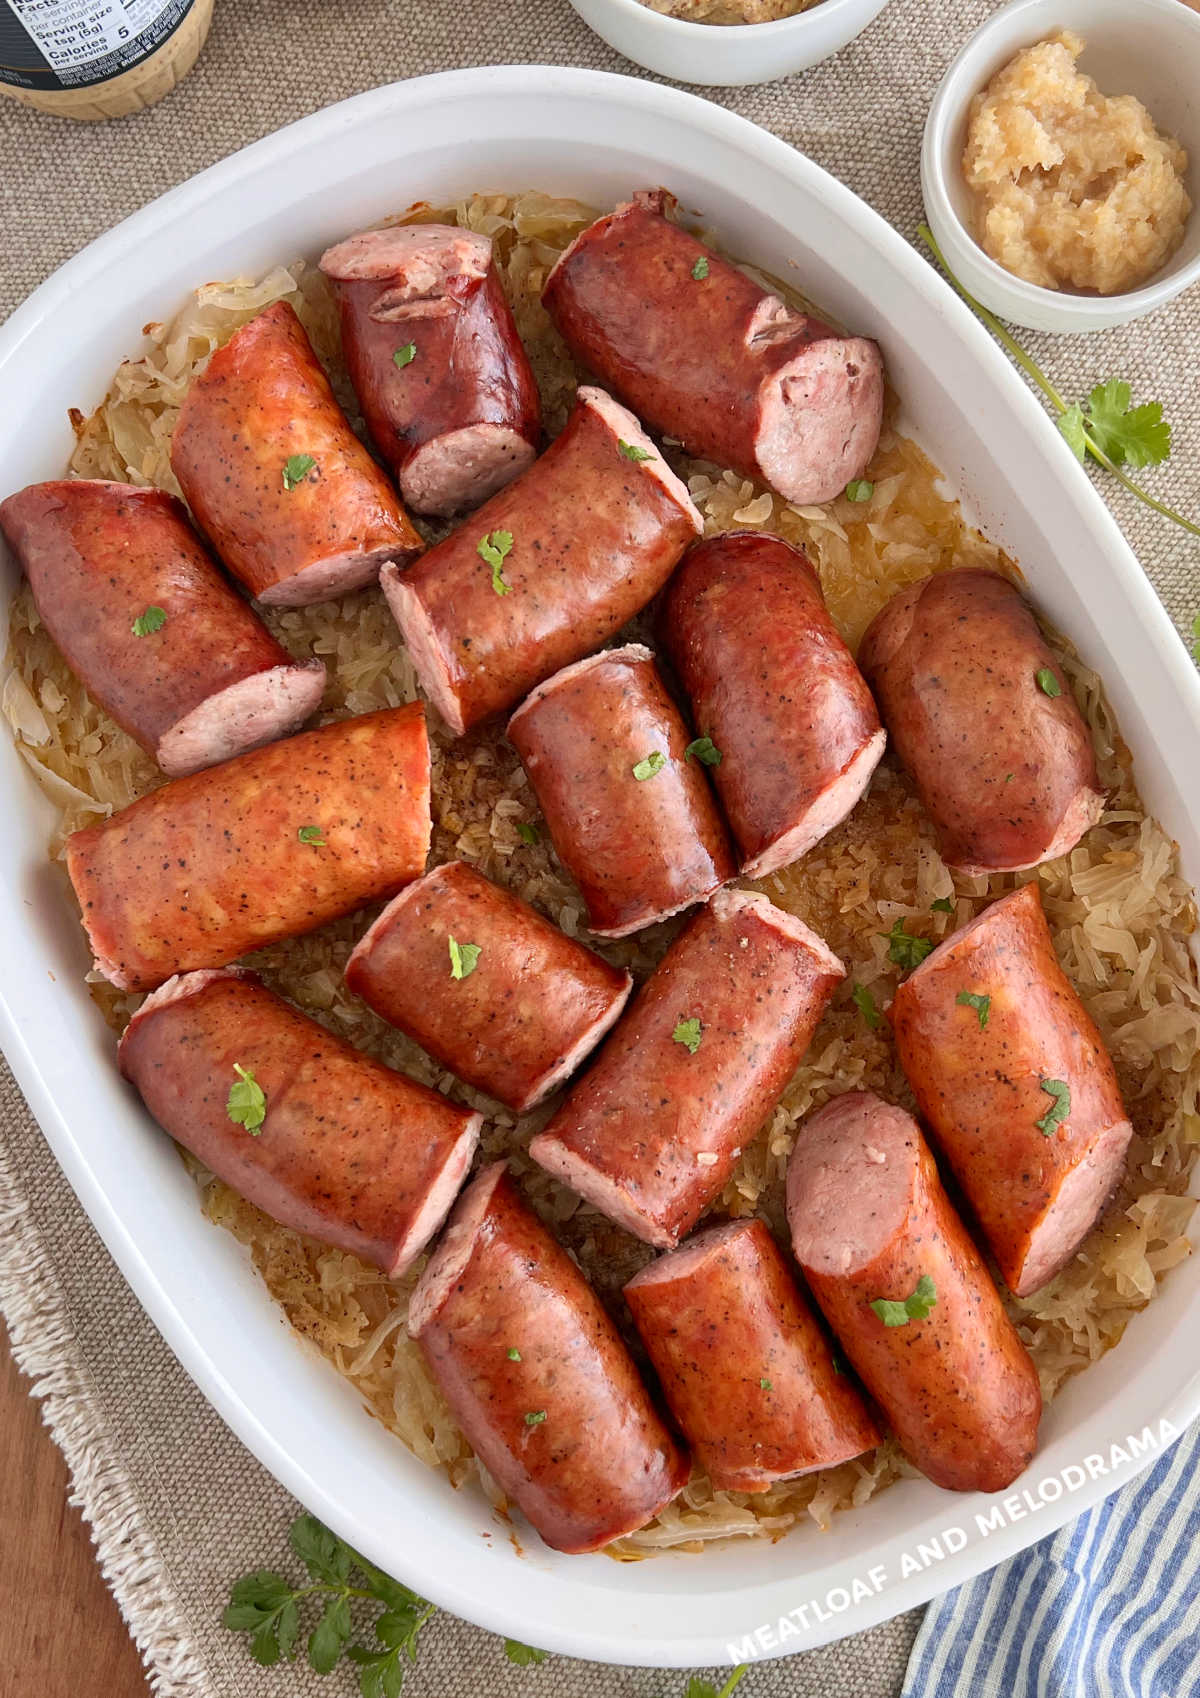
246 1104
1047 683
981 1004
700 269
330 1636
513 1354
145 625
654 762
1074 428
1137 436
859 489
915 1307
528 833
495 550
524 1656
296 468
534 1417
689 1033
765 1384
905 949
405 356
704 750
464 958
865 1003
313 834
1059 1109
322 1552
699 1688
632 452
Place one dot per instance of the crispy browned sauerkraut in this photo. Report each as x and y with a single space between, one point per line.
1119 909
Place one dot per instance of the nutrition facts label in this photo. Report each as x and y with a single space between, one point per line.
73 43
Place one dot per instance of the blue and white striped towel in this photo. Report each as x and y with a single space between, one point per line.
1108 1607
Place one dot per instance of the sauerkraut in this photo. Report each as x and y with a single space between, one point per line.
1121 913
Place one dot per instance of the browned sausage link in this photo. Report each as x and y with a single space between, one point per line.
871 1225
773 685
491 989
984 720
446 388
704 354
747 1371
1016 1085
632 819
345 1149
548 570
143 617
537 1377
264 847
286 493
652 1131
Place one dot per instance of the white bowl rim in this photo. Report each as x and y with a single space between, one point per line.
70 283
949 102
694 30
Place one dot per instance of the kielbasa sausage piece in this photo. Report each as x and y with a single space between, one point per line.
775 688
982 717
279 483
746 1369
265 847
1016 1085
703 354
537 1377
158 637
632 819
652 1131
485 984
546 571
446 387
319 1136
904 1289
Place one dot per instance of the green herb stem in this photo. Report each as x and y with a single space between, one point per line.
1032 370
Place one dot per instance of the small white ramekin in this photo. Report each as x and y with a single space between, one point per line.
727 55
1148 48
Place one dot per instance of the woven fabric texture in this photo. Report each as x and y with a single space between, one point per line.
176 1504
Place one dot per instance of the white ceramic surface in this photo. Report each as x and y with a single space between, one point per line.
599 137
727 55
1148 48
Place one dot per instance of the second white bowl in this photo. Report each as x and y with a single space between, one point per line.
727 55
1148 48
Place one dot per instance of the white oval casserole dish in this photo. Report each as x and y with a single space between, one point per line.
594 136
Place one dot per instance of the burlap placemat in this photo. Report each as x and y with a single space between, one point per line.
177 1506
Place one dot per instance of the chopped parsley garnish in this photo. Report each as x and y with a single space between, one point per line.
704 750
1047 683
654 762
313 834
535 1417
914 1308
700 269
865 1003
405 356
147 623
689 1033
495 550
296 468
859 489
766 1385
246 1104
981 1005
514 1355
943 905
528 833
464 958
632 452
904 949
1059 1109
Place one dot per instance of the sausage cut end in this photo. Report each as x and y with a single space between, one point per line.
243 716
462 468
829 809
819 418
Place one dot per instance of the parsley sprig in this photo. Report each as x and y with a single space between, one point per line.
1105 425
698 1688
269 1608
